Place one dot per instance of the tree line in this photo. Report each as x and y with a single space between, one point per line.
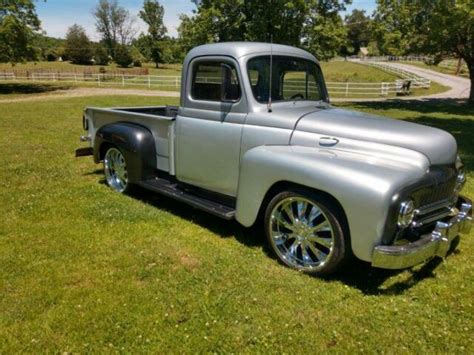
436 28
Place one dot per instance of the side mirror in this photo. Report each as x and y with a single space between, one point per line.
229 92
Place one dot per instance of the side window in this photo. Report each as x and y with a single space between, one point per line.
215 81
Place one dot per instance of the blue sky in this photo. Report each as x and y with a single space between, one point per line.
57 15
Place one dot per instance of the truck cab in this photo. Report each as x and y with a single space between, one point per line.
255 139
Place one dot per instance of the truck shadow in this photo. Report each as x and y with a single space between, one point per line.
373 281
356 274
29 88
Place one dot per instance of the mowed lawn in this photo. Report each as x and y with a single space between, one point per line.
84 269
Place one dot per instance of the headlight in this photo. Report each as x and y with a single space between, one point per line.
406 213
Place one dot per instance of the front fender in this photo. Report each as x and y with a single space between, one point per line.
364 185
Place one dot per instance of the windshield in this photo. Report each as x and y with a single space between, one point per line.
292 79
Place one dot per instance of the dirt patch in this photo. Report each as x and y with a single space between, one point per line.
83 92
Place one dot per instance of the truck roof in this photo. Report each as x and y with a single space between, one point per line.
240 49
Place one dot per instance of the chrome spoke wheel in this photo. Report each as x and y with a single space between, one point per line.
115 169
301 233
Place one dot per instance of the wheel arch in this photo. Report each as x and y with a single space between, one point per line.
134 141
285 185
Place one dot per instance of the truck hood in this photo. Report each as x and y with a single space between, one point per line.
438 146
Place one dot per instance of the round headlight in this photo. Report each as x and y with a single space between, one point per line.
406 213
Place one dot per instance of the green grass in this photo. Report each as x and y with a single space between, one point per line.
352 72
84 269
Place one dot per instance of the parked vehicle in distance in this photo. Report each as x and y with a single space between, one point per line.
255 136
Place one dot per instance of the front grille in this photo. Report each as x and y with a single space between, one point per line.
441 187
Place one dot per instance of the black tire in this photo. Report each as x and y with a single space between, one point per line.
115 170
310 232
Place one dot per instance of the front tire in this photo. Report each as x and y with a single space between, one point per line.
305 232
115 169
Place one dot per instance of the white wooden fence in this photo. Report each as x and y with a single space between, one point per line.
416 80
174 82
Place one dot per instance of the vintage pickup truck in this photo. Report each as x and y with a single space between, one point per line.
255 139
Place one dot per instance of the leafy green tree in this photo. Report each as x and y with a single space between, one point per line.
18 25
78 47
123 56
439 28
324 33
358 30
101 56
287 22
114 23
152 14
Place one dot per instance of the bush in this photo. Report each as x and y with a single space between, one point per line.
78 47
138 58
101 55
51 57
434 60
123 57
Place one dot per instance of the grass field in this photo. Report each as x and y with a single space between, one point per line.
83 269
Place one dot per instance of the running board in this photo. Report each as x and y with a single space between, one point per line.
172 189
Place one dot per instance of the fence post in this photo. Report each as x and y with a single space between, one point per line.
98 79
347 88
123 80
149 83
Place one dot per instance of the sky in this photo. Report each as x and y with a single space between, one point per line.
57 15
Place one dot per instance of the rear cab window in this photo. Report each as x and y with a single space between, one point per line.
208 76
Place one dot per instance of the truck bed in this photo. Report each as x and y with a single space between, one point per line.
158 119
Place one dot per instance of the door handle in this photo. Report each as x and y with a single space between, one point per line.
328 141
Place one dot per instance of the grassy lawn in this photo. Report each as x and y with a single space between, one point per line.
83 269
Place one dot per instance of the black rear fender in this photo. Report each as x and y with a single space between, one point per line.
136 143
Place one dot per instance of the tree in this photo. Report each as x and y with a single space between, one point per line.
101 56
78 47
284 21
152 14
324 33
358 30
18 24
438 28
114 23
123 56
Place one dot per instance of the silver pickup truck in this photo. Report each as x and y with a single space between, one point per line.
255 139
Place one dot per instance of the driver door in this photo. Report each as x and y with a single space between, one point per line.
209 125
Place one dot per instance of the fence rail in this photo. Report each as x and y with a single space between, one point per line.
174 82
415 80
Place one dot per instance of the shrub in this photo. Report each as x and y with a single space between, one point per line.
123 57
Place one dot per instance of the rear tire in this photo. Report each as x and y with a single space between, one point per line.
115 169
305 232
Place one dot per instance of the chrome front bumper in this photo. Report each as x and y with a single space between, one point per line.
436 243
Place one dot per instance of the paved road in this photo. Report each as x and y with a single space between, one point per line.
459 86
